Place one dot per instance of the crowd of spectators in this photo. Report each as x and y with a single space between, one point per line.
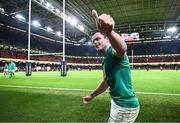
14 53
13 45
11 37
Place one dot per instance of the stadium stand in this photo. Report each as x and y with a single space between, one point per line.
14 46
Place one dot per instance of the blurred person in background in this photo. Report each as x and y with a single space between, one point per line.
12 69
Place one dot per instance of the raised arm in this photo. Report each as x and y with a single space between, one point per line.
117 43
105 23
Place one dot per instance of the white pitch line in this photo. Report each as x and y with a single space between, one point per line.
47 88
71 89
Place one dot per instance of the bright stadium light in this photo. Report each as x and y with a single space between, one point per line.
176 36
81 28
69 19
20 17
2 10
167 37
74 22
36 23
49 29
48 5
59 33
172 29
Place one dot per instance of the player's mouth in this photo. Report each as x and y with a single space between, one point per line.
97 46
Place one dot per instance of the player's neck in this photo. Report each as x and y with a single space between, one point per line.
106 48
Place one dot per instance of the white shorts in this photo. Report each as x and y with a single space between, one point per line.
121 114
6 70
12 71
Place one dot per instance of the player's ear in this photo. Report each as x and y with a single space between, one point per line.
106 38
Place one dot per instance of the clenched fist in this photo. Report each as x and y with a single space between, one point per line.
87 99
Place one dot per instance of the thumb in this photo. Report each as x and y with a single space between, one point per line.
94 14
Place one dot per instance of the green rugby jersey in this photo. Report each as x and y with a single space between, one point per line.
12 66
119 80
6 66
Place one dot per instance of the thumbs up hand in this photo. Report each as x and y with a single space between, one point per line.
104 22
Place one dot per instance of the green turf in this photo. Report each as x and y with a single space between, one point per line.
27 104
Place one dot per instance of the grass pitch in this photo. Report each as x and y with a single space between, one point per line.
45 96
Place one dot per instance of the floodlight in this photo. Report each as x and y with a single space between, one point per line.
59 33
81 28
2 10
69 19
49 29
20 17
36 23
172 29
48 5
167 37
176 36
73 21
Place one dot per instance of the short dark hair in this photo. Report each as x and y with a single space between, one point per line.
101 33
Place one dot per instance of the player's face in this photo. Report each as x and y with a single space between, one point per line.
98 41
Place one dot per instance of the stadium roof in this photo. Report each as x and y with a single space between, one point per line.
144 16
